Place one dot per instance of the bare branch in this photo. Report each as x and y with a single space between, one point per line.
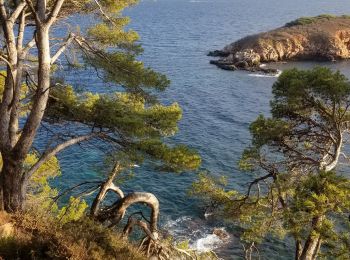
98 183
34 12
116 212
53 151
16 13
62 48
102 12
3 12
107 185
143 225
28 46
54 13
21 27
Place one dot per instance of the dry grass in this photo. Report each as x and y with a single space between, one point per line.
39 237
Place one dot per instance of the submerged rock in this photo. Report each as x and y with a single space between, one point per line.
318 38
217 53
221 233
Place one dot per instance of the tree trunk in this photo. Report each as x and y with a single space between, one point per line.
309 249
318 247
313 242
298 249
12 185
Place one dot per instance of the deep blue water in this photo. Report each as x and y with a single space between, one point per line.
217 105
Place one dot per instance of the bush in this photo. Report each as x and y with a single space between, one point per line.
310 20
38 237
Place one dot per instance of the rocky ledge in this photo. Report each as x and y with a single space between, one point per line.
322 38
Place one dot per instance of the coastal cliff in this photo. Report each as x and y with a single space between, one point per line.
323 37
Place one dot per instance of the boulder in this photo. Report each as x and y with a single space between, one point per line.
242 64
248 56
221 233
227 67
218 53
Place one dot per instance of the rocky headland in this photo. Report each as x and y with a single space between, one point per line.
321 38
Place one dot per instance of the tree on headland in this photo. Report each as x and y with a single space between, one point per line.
296 192
131 122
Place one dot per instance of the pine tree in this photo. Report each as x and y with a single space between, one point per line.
132 121
295 191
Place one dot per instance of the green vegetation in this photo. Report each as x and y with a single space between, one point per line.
295 191
43 237
313 19
126 119
45 231
129 119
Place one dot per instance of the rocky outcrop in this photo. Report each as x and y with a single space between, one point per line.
323 37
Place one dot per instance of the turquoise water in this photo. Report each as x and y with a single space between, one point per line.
217 105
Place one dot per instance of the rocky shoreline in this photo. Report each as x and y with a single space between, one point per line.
241 61
323 37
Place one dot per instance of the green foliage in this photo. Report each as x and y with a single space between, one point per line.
108 35
39 190
122 69
212 190
305 92
74 211
311 20
176 158
142 126
125 111
183 245
292 194
322 193
41 197
2 81
3 76
267 130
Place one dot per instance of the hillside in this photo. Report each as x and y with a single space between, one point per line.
323 37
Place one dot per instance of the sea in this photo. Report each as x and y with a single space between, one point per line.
218 106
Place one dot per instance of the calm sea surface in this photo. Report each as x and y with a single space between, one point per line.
217 105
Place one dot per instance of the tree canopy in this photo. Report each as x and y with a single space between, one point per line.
295 191
34 94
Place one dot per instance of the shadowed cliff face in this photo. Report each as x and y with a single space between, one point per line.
316 38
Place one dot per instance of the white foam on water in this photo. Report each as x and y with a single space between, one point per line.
200 236
265 75
208 214
176 222
207 243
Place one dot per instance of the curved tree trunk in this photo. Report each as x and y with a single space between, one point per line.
116 212
106 186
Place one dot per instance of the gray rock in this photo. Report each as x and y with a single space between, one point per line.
242 64
218 53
